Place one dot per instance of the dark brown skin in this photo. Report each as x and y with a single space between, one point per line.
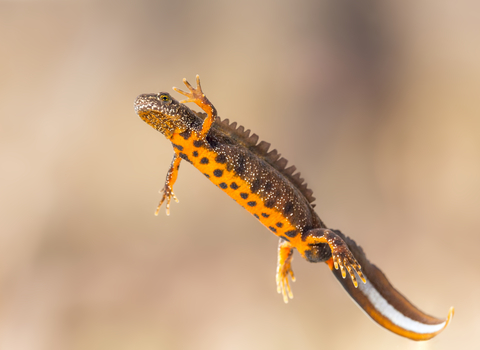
260 182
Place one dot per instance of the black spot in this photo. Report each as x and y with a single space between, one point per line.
197 143
234 186
195 153
288 208
240 165
265 215
204 160
186 134
218 172
291 234
206 175
184 156
221 158
270 203
223 185
318 253
180 148
268 186
273 229
252 203
244 195
256 184
213 142
279 224
258 217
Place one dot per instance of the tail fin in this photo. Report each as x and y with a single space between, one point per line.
384 304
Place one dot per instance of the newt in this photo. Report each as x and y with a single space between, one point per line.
260 181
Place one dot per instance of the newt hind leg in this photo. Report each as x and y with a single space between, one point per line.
284 268
341 256
197 96
167 190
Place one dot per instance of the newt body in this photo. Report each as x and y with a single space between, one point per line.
239 168
260 182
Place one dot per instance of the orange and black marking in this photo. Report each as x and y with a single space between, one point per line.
259 180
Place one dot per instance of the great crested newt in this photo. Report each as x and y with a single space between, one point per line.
260 181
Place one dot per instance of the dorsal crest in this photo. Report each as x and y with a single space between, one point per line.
261 149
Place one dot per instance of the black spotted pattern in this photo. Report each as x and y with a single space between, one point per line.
291 233
221 158
256 175
240 165
186 134
212 141
204 160
184 156
256 184
223 185
270 203
288 208
268 186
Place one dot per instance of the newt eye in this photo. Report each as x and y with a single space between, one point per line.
165 98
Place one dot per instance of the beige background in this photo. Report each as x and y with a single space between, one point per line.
377 104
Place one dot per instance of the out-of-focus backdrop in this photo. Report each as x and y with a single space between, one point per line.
376 103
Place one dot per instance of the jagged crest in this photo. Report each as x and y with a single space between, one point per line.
261 149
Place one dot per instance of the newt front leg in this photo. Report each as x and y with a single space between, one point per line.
169 181
196 95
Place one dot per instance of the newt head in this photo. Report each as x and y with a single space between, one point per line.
163 113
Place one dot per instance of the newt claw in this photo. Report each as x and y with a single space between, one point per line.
167 196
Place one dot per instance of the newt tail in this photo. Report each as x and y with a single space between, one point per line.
385 305
260 181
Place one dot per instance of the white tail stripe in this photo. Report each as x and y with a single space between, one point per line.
395 316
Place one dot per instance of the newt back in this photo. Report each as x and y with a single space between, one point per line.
261 149
252 176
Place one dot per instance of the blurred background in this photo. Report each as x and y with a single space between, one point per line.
377 103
